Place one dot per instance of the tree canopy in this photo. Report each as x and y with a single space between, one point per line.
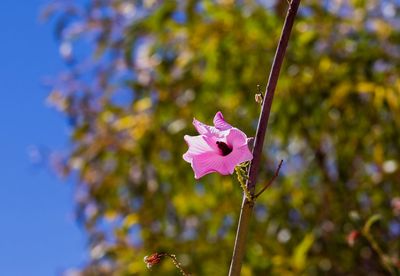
139 71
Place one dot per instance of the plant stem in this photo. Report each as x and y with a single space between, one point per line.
247 206
385 261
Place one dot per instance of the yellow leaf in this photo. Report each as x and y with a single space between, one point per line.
300 252
110 215
130 220
125 123
325 64
365 87
142 104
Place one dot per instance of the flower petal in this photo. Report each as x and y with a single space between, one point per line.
237 156
204 129
209 162
236 138
212 141
197 145
220 123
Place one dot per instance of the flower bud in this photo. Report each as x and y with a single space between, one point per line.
153 259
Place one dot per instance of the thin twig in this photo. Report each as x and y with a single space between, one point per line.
270 181
385 260
177 264
156 258
247 206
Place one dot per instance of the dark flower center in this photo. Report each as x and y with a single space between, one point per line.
225 149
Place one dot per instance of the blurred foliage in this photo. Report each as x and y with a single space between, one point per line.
139 71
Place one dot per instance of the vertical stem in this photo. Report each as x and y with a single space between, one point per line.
247 206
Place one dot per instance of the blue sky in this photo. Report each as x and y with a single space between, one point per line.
38 234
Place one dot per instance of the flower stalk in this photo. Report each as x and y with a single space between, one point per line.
248 205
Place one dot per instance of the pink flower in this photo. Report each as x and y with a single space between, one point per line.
219 148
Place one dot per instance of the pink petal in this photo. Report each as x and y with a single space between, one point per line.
236 138
209 162
211 140
197 145
237 156
220 123
204 129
